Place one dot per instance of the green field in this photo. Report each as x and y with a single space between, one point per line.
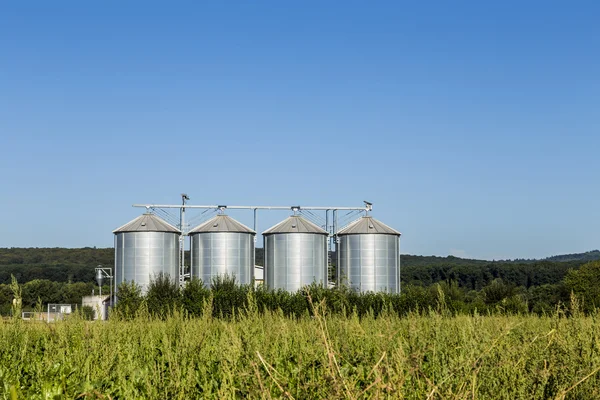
268 355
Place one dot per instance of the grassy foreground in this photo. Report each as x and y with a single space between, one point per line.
267 355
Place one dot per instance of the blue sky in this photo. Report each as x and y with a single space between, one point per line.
472 127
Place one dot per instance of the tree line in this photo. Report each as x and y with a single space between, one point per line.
59 275
224 297
77 265
579 291
39 292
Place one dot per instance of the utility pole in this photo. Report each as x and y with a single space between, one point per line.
184 198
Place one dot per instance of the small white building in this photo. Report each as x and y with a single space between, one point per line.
99 304
259 275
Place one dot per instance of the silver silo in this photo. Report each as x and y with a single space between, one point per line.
222 246
295 254
144 248
368 256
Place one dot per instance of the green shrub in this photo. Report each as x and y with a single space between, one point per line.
129 300
585 284
193 296
87 313
163 295
228 297
497 291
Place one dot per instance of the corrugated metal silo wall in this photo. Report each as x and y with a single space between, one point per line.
220 253
369 263
140 256
293 260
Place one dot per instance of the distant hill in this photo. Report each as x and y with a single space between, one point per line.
417 261
585 257
55 264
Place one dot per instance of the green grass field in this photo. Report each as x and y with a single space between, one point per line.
267 355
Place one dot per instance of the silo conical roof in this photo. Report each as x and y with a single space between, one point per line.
368 225
295 224
147 223
222 223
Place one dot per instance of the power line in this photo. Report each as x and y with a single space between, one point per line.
348 218
312 217
198 219
166 216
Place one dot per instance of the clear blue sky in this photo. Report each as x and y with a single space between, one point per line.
473 127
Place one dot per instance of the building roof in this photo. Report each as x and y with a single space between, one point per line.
368 225
222 223
295 224
147 223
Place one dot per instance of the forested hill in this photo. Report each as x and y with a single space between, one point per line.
411 260
585 257
77 265
55 264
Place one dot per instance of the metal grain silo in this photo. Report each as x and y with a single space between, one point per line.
368 254
295 254
222 246
144 248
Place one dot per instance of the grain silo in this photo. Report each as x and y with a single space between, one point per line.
295 254
368 256
144 248
222 246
